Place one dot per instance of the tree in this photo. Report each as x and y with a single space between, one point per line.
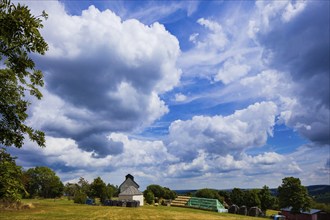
112 190
19 37
169 194
149 196
266 199
70 190
292 194
251 198
43 182
84 186
11 185
226 197
157 190
208 193
237 196
99 189
80 197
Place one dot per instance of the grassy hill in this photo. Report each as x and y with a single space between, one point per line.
63 209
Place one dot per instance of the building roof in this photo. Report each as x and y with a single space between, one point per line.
130 191
310 212
129 181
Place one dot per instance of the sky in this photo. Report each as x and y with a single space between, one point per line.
184 94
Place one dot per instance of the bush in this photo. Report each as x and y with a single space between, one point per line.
149 196
80 197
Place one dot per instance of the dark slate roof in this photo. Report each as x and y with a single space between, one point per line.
129 176
310 212
130 191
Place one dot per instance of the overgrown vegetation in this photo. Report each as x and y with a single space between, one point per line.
82 190
155 193
11 185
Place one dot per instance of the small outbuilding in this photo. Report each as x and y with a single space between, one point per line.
312 214
129 190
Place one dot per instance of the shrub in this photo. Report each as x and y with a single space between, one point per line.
149 196
80 197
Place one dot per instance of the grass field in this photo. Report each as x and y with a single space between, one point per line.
63 209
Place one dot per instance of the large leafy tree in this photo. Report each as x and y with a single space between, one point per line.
99 189
43 182
157 190
251 198
237 197
11 185
292 194
19 38
266 199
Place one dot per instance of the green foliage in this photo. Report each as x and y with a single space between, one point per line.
112 191
251 198
161 192
80 197
43 182
321 206
292 194
322 198
11 185
70 189
99 189
157 190
169 194
208 193
84 186
19 36
149 196
266 199
226 197
237 197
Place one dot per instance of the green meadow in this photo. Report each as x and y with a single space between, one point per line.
48 209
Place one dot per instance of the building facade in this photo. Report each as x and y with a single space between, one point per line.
129 190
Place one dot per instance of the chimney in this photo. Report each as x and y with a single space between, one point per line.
129 176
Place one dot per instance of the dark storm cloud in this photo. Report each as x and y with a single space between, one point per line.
300 47
101 145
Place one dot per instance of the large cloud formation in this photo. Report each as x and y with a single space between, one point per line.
295 37
223 135
103 75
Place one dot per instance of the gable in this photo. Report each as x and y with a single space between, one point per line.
127 183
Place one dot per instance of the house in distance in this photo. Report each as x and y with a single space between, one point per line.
129 190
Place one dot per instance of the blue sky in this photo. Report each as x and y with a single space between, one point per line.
185 94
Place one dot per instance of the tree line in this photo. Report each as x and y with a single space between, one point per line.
83 190
42 182
289 194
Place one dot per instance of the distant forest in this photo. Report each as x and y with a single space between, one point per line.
320 193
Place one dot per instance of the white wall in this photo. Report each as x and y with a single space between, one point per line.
139 198
136 197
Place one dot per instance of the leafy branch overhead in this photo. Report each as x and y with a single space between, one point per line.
19 37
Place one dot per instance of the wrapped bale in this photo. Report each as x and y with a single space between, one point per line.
255 211
233 209
242 210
